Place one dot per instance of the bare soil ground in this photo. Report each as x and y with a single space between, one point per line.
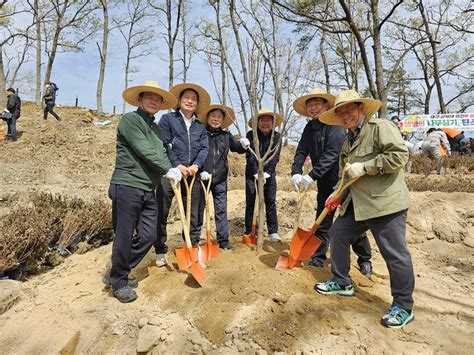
246 305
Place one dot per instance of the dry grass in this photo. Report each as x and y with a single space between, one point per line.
31 236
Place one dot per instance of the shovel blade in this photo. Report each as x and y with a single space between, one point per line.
207 252
198 272
249 239
287 262
303 245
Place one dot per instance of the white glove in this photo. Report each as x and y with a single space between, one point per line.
245 143
297 179
265 176
306 181
205 176
174 174
356 170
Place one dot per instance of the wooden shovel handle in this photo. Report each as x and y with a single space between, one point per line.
189 188
177 192
341 188
207 192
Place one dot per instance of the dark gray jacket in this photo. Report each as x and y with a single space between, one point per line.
49 94
323 144
14 105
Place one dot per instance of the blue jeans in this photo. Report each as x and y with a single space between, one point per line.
11 123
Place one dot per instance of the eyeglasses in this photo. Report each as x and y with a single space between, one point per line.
341 113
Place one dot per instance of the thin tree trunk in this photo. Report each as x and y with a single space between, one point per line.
325 62
3 96
223 52
38 53
103 55
379 79
436 75
54 44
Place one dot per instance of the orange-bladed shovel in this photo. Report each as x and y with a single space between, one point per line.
252 237
187 256
304 243
209 249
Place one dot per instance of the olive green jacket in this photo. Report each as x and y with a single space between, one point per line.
382 191
141 157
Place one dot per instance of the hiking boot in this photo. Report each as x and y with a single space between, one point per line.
106 280
274 237
316 262
397 317
366 269
161 260
125 294
332 288
226 246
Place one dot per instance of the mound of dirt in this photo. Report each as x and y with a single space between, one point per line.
246 305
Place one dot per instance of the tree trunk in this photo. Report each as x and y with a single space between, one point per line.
223 52
38 54
103 56
261 206
3 96
436 74
54 44
377 47
325 62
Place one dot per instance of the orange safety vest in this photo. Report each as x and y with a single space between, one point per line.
451 132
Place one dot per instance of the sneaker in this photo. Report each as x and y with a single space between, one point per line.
106 280
366 268
226 246
161 260
274 237
125 294
331 288
397 317
316 262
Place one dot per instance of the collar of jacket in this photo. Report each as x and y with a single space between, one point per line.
265 138
214 131
148 119
358 132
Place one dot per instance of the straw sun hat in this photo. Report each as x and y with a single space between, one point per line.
371 106
267 112
229 115
300 103
204 98
132 93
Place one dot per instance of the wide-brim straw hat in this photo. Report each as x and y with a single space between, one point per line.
229 114
300 103
371 106
204 98
132 93
268 112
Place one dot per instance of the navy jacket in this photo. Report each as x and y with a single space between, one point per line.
322 143
183 148
220 142
264 143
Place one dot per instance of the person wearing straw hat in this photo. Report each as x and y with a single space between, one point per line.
140 163
185 139
375 153
323 143
217 118
266 120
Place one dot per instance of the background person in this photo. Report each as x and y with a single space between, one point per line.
140 162
49 98
14 108
436 146
217 118
185 139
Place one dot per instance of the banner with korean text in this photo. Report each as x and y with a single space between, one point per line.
459 121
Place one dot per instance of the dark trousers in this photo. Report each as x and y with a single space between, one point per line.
164 196
219 196
389 233
134 216
11 127
269 193
360 246
49 108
